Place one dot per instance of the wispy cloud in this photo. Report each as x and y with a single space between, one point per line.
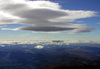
3 25
80 21
42 15
98 23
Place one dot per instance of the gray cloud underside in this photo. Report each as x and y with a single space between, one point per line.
45 29
42 16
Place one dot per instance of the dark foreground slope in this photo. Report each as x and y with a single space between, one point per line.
50 57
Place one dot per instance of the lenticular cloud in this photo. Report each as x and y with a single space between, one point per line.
42 16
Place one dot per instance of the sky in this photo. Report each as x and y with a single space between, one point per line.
50 20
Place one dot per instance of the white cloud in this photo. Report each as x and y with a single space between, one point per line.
9 29
39 47
42 15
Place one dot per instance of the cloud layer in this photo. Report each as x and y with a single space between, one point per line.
42 16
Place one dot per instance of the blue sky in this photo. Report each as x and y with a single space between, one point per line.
91 21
